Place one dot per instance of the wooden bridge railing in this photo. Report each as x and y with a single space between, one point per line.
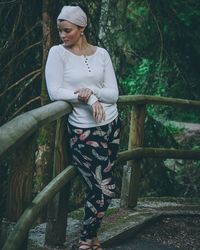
18 134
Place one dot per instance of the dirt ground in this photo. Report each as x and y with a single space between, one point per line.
169 233
180 232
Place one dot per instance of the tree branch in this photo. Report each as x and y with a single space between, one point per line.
24 106
23 51
36 72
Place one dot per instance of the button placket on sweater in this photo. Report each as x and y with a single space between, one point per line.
86 63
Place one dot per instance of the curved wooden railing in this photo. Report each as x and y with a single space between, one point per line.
19 131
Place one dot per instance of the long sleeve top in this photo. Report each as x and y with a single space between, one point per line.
67 72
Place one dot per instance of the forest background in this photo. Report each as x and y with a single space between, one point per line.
155 49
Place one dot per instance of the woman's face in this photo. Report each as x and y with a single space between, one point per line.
69 33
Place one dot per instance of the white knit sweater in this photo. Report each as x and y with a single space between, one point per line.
66 72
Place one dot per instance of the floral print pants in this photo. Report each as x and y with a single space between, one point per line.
94 151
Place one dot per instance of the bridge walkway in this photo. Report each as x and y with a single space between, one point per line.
122 228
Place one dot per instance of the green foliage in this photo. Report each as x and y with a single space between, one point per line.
186 115
4 179
78 214
77 193
187 179
137 81
163 41
173 129
134 14
4 173
157 180
163 55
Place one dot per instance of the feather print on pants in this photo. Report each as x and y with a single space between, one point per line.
94 151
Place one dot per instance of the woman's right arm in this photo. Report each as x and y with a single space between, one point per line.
54 74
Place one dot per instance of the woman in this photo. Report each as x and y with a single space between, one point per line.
82 74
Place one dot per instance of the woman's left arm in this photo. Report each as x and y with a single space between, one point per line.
109 92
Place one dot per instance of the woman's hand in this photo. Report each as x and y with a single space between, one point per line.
98 112
83 94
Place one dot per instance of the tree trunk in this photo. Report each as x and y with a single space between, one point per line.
44 162
112 33
47 41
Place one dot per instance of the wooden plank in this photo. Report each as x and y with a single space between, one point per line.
131 172
163 153
157 100
20 128
57 209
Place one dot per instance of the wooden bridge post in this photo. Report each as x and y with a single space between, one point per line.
19 186
132 171
57 209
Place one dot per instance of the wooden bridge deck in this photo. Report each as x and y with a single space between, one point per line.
120 224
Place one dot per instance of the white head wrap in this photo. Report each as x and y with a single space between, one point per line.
73 14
